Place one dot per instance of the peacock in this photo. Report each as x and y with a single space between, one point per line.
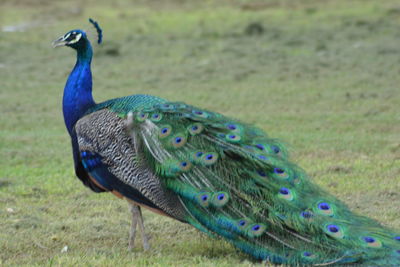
224 177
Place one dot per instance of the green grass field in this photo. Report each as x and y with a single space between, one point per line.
323 76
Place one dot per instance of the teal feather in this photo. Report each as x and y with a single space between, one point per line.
285 214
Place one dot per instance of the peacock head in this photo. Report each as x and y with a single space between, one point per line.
78 39
75 39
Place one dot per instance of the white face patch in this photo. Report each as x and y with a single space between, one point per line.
77 38
66 36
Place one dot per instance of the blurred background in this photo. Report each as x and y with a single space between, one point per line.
323 76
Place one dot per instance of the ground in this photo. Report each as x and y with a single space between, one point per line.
323 76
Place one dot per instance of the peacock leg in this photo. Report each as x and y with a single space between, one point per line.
145 238
137 218
132 232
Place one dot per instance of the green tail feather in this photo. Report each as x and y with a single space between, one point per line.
237 182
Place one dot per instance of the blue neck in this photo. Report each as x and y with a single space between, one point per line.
78 90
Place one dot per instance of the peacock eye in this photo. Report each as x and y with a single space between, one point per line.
70 37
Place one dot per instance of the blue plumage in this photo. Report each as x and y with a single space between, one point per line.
78 97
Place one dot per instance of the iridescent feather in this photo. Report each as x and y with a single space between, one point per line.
269 207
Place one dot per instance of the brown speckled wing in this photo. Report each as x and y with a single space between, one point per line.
104 133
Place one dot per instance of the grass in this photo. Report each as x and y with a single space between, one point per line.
322 76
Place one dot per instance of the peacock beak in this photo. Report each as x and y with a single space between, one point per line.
59 42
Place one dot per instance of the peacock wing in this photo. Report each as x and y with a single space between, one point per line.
235 181
109 156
